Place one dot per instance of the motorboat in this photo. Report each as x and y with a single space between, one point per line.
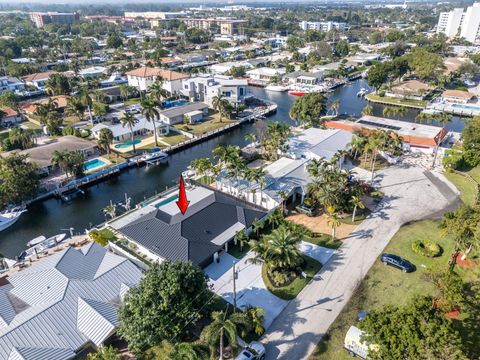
36 240
275 87
155 156
362 92
10 216
303 89
42 246
114 79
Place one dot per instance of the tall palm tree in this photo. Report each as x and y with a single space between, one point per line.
367 110
220 328
334 222
258 176
149 110
251 137
357 204
257 226
334 106
60 159
219 104
130 120
87 101
105 139
187 351
358 144
283 249
75 107
241 238
110 210
99 96
157 91
256 316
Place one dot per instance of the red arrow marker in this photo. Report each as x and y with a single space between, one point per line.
182 202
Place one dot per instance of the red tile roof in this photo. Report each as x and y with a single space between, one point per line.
146 71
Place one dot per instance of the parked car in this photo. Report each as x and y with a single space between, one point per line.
304 209
254 351
134 109
398 262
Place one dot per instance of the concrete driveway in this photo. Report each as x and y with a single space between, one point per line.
251 289
410 194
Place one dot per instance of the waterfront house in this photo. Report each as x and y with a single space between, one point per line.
304 77
65 305
194 112
415 136
223 68
158 230
10 83
457 96
38 80
287 177
141 128
59 100
41 155
410 89
93 72
11 117
145 76
266 74
364 58
206 87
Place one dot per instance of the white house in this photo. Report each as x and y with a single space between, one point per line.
225 67
38 80
9 83
206 88
265 73
143 77
141 128
303 77
11 117
93 72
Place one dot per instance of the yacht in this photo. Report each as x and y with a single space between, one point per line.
362 92
10 217
58 238
155 156
277 88
42 246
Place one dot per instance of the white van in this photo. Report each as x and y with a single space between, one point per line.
355 346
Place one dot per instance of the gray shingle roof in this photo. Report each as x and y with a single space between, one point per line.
46 298
190 237
184 109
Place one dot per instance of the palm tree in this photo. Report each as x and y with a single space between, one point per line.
219 104
283 195
251 137
60 159
110 210
283 249
151 113
390 111
99 96
42 110
258 175
187 351
334 106
157 91
375 142
105 139
358 144
357 204
367 110
129 120
257 226
220 328
86 101
256 316
334 222
241 238
75 107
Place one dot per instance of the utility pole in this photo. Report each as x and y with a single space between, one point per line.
235 275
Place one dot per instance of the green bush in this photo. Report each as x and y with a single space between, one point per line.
426 248
102 237
381 93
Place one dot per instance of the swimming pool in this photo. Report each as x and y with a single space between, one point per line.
93 164
166 201
467 106
168 104
127 144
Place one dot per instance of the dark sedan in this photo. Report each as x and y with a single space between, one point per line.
398 262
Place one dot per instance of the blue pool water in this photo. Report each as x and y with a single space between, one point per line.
127 144
92 164
166 201
467 106
168 104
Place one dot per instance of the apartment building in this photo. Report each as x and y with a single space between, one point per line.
160 15
461 23
322 25
41 19
206 88
226 26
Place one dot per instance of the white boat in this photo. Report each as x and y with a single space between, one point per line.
154 156
362 92
42 246
10 217
36 240
114 79
277 88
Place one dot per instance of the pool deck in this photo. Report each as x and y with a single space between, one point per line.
143 142
105 164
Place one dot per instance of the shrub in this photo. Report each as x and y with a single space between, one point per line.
426 248
102 237
280 278
70 130
381 93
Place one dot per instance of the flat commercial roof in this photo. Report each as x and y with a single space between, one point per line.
412 133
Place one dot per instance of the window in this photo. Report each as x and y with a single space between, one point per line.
241 91
227 93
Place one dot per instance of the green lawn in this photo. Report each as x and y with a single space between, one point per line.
386 285
325 241
467 188
210 124
133 101
173 138
289 292
380 163
397 101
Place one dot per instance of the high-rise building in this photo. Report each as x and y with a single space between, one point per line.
322 25
461 23
41 19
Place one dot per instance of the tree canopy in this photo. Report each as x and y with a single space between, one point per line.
18 179
166 304
308 109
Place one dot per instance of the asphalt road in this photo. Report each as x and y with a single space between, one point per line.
410 194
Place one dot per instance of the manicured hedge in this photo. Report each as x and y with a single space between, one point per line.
426 248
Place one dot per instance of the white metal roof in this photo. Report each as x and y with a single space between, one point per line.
62 302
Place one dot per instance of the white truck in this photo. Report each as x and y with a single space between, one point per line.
254 351
355 346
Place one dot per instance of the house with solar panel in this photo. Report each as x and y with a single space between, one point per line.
157 230
65 305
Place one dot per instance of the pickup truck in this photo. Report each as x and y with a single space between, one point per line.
254 351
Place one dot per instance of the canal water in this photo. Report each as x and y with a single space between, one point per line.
53 216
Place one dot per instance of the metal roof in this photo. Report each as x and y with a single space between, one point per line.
63 302
211 220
